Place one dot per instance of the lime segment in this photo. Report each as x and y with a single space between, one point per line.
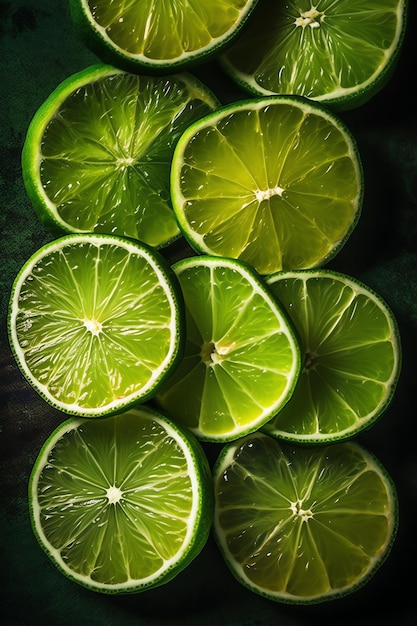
274 182
98 152
121 504
334 51
302 525
351 346
155 35
241 358
95 323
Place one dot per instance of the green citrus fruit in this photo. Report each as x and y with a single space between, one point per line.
121 504
276 182
351 350
95 323
241 359
97 153
156 35
302 525
337 52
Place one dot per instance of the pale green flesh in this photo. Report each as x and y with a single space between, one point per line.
302 524
95 325
327 51
276 184
240 361
351 356
113 500
160 30
106 154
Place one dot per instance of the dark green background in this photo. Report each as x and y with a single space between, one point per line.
39 48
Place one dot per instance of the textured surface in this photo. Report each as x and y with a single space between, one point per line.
38 49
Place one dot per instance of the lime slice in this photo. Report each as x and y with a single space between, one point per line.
276 182
352 355
95 323
121 504
337 52
158 35
302 525
98 152
241 359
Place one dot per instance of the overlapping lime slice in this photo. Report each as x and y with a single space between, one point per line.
241 358
276 182
337 52
302 525
97 154
95 323
158 35
351 349
121 504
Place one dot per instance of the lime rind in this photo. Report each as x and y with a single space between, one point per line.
67 510
270 494
91 336
161 38
351 346
97 153
275 182
289 58
241 357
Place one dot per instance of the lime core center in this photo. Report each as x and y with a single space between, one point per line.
266 194
124 162
297 509
310 360
312 18
114 494
94 326
211 353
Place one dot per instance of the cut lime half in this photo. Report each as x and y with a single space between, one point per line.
337 52
121 504
97 154
351 351
302 525
158 35
95 323
241 358
276 182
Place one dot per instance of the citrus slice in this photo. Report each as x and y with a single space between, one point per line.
334 51
95 323
241 359
302 525
98 152
350 342
276 182
156 35
121 504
